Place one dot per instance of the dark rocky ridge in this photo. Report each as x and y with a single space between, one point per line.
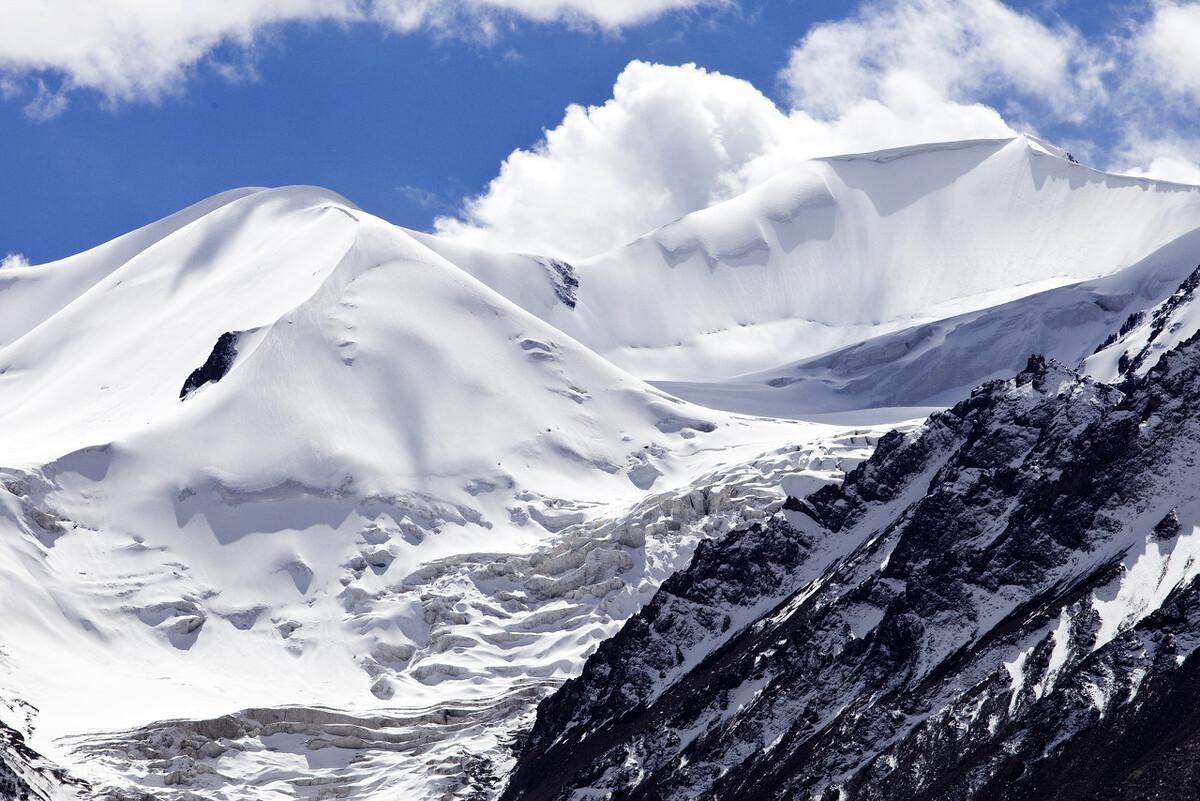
1162 317
933 628
25 775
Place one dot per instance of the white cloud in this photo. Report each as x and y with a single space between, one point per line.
609 14
144 49
1166 55
1167 157
131 49
425 198
1181 169
676 139
13 260
45 104
959 49
1155 92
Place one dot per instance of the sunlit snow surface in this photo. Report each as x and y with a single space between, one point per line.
429 485
407 497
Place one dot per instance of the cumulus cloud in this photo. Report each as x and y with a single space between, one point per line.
669 141
143 49
676 139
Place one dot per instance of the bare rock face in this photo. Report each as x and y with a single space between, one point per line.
564 280
25 775
1143 337
1003 605
215 366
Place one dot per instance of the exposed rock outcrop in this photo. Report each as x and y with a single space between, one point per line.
1004 605
215 366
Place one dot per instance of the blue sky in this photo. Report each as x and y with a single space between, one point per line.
408 125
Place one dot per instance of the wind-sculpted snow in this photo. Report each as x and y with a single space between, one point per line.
936 363
848 249
1000 606
901 278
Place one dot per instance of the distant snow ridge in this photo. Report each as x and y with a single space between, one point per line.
901 278
411 485
844 250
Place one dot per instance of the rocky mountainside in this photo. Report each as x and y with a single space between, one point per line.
26 775
1004 604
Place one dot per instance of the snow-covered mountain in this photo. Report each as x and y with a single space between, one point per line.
294 501
938 362
275 451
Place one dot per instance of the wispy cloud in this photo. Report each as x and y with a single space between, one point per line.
13 260
960 50
46 103
427 199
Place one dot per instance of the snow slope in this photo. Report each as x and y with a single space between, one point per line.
33 293
396 496
933 364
